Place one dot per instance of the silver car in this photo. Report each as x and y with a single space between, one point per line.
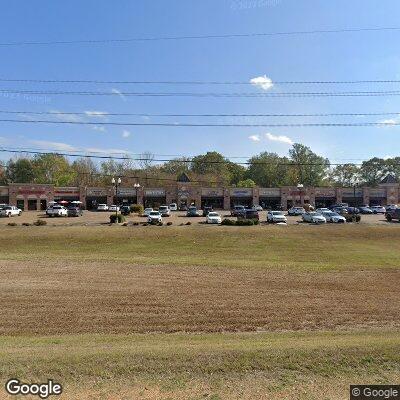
276 216
333 217
313 217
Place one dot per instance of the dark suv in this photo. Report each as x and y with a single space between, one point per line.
248 213
393 215
206 210
74 211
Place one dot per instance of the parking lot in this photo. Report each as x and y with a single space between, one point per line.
177 218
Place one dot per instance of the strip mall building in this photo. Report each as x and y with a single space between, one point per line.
37 197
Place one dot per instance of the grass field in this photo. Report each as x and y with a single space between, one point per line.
201 312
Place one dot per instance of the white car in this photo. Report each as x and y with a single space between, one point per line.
102 207
378 209
322 210
147 211
313 217
10 211
213 218
296 211
164 211
258 208
334 217
389 207
113 207
57 211
154 217
276 216
173 207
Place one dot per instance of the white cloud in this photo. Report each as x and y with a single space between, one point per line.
99 128
125 134
99 114
255 138
388 121
53 145
66 117
279 138
262 82
106 151
119 93
146 117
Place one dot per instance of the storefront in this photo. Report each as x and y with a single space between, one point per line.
126 196
66 194
96 196
325 197
353 196
270 198
377 197
4 198
154 198
30 197
212 197
241 197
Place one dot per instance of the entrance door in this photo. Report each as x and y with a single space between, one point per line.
21 204
32 205
43 204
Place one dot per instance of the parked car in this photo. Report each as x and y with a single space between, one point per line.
125 210
237 209
206 210
57 211
164 211
154 217
378 209
333 217
248 213
102 207
73 211
391 207
213 218
352 214
10 211
393 214
173 207
365 210
258 208
183 207
192 212
113 208
321 210
296 211
276 216
313 217
341 205
147 211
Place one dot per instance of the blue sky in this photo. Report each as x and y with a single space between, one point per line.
345 56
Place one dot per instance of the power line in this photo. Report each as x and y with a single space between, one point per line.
172 82
209 94
194 37
110 114
177 125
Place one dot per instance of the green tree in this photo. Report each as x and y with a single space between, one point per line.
20 171
345 175
236 173
54 169
247 183
85 171
213 164
3 175
373 170
176 166
310 169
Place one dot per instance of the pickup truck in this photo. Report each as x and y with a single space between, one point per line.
57 211
393 214
9 211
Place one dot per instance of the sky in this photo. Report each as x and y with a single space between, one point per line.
372 55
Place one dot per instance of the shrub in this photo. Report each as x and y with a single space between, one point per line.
227 221
137 208
12 224
188 223
117 218
245 222
26 224
135 223
169 223
125 224
40 222
145 224
160 224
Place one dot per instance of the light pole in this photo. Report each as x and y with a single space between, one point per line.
354 193
300 186
116 183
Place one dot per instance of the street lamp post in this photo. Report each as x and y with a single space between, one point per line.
354 193
116 183
300 186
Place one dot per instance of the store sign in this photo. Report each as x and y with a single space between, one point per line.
212 192
32 190
347 192
71 191
128 192
241 192
270 192
324 192
154 192
96 192
377 192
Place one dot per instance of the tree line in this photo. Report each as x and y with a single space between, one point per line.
266 169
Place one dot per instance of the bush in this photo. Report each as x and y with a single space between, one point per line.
169 223
228 221
117 218
145 224
12 224
245 222
188 223
26 224
160 224
135 223
40 222
137 208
